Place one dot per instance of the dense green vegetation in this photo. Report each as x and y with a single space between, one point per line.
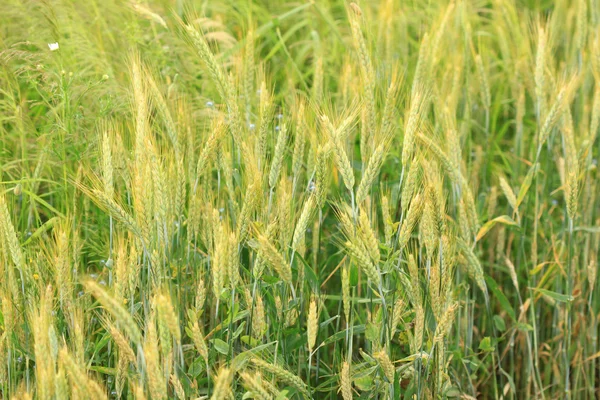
315 199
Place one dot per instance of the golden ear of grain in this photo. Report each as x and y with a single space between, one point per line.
540 65
117 212
125 350
346 293
363 260
302 224
412 217
322 174
368 236
177 387
163 109
408 187
413 122
107 165
79 378
61 385
419 329
398 311
198 340
218 131
274 258
571 195
200 295
388 116
254 384
224 86
592 273
259 323
473 265
339 154
277 162
299 142
167 314
113 306
510 195
388 223
312 325
10 235
486 97
428 227
155 377
345 381
282 375
444 323
222 389
42 323
368 81
386 364
370 173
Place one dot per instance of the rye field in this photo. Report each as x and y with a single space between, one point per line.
309 199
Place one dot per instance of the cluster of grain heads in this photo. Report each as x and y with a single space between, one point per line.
320 200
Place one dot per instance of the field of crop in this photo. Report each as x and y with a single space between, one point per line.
320 199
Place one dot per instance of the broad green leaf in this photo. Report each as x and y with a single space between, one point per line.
221 346
563 298
499 323
197 367
486 344
499 295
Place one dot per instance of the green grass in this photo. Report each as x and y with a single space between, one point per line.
268 199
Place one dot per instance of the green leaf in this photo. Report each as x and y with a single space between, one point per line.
353 275
309 274
504 303
221 346
239 330
524 327
526 183
103 370
364 383
356 330
43 202
452 391
486 344
249 340
196 367
38 232
503 219
282 395
563 298
499 323
239 360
